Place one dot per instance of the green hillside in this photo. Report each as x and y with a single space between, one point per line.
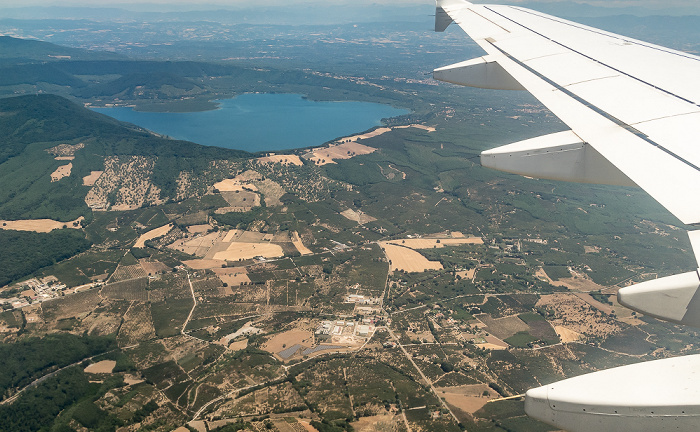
33 124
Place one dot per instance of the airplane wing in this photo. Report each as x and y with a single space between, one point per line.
632 106
634 117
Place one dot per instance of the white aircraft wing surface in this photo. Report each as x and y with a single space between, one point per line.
632 106
634 117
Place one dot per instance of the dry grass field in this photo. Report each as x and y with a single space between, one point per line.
62 171
101 367
493 343
417 126
198 246
39 225
283 159
296 241
156 232
327 155
233 276
234 185
405 259
240 251
204 264
199 229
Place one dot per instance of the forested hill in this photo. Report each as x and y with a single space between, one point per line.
33 126
16 49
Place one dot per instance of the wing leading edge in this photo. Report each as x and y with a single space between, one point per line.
635 104
633 110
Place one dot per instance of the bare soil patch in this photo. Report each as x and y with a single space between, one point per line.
157 232
567 335
62 171
90 179
238 345
283 159
39 225
403 258
468 398
101 367
287 339
357 216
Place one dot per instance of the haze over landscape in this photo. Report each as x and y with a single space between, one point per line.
372 277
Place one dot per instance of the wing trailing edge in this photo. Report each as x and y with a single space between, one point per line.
558 156
483 72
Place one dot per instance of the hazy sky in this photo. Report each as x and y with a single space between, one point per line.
95 3
662 6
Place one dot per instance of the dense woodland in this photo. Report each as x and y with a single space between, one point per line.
23 252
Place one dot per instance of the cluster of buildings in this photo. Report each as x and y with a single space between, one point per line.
343 331
31 291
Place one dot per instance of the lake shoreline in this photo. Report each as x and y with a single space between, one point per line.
259 122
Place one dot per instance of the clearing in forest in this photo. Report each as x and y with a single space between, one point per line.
150 235
39 225
327 155
62 171
283 159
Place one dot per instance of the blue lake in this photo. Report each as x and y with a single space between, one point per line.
257 122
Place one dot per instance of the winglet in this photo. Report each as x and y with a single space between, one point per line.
442 19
